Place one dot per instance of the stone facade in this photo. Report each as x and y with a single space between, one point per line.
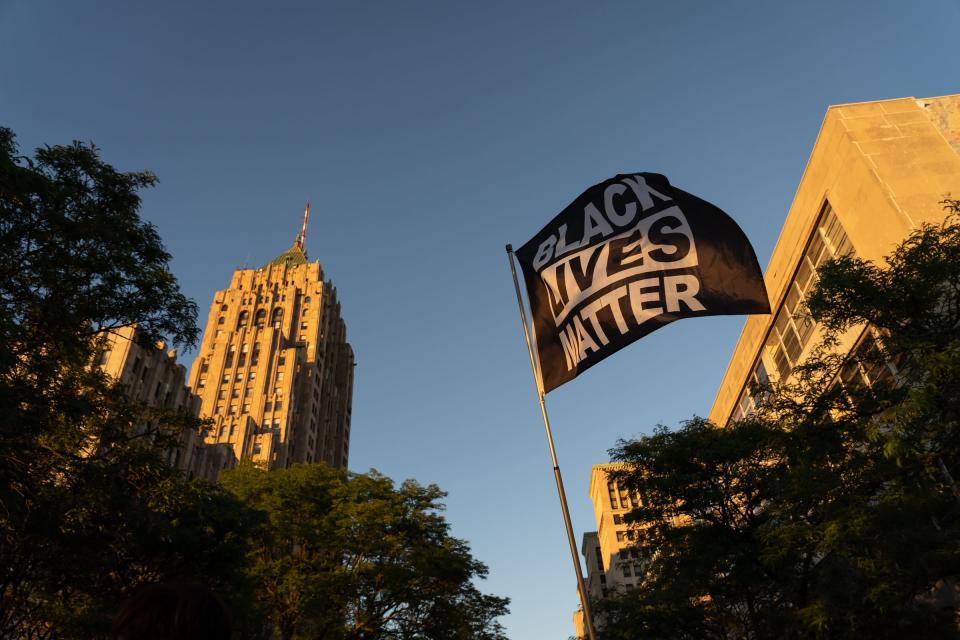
877 170
151 377
614 565
275 372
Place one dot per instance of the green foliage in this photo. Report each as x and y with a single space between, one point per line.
832 510
88 510
350 556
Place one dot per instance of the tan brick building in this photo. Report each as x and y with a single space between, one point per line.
877 170
275 372
151 377
613 565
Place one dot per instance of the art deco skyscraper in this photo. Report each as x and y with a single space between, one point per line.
275 371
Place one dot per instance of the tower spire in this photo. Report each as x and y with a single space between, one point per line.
302 236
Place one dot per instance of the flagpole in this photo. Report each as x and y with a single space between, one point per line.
581 588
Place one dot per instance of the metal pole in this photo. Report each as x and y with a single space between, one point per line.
584 602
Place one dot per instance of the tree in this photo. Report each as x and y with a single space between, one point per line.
88 511
350 556
832 510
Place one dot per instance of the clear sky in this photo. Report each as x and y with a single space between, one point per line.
429 134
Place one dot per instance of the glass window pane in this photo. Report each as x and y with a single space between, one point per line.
816 251
792 343
803 274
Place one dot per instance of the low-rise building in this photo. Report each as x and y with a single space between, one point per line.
152 378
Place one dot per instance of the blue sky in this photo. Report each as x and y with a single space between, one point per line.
429 134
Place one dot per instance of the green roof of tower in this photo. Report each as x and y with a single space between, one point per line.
291 257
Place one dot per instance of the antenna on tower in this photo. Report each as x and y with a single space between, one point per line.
302 236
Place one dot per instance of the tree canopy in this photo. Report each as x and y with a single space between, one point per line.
89 510
832 510
352 557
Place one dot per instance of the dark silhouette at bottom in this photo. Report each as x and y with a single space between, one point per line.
187 611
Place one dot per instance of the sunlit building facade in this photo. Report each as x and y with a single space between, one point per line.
614 563
877 171
153 379
275 371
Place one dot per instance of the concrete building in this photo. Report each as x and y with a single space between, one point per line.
275 372
877 171
614 564
152 378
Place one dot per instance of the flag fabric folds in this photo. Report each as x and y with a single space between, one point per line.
628 256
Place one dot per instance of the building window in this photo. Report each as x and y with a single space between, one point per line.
625 569
793 327
226 378
279 376
105 356
282 360
306 300
260 319
276 318
233 410
221 394
252 375
218 410
246 407
620 536
244 318
277 405
754 393
202 383
268 406
614 503
220 320
617 519
867 366
239 377
304 325
235 393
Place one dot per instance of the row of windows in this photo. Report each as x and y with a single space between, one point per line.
226 307
793 327
621 498
867 367
623 536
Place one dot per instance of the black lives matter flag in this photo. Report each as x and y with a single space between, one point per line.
628 256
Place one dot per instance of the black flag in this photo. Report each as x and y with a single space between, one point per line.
628 256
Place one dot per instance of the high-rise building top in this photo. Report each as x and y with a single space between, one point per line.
275 371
